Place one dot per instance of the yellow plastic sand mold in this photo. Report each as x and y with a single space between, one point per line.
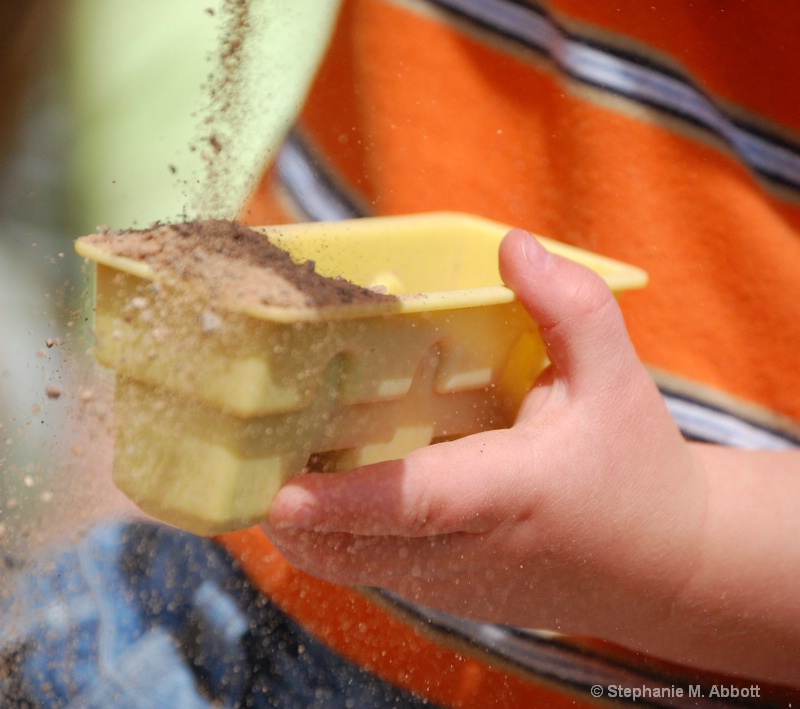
217 406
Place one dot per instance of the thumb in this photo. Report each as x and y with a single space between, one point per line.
578 316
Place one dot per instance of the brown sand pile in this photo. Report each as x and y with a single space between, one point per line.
233 263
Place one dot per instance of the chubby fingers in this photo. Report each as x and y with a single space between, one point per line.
452 503
400 524
411 525
460 486
577 314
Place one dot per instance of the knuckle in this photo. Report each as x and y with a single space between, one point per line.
588 292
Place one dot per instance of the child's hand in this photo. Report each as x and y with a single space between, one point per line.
582 517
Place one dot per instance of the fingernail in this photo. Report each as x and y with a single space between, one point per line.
293 508
534 252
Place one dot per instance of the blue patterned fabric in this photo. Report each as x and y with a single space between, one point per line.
143 616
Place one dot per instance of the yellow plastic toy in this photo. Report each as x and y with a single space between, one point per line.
210 421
